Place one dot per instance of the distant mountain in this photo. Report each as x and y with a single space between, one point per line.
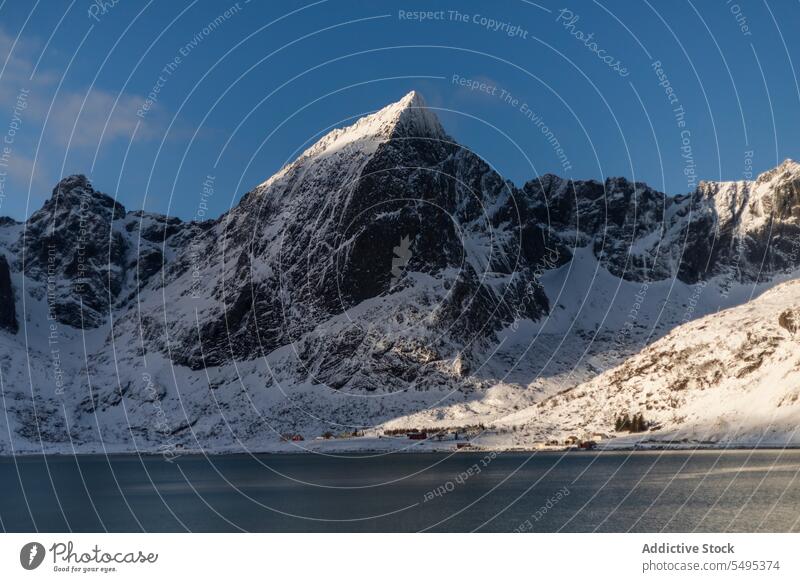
388 276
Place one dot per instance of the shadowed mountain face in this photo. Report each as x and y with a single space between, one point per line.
8 312
386 260
70 240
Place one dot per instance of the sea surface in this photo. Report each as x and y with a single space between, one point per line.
705 491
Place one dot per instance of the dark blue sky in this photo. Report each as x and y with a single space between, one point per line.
268 77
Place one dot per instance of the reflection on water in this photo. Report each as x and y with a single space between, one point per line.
642 491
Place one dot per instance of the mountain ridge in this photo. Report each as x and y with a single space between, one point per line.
386 277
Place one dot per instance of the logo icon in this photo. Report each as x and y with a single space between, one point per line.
31 555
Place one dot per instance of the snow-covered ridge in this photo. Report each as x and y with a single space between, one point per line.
409 116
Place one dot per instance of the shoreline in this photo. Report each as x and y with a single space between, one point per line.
362 451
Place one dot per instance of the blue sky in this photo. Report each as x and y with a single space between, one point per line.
268 77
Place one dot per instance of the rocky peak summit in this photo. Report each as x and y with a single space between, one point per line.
407 118
413 118
74 192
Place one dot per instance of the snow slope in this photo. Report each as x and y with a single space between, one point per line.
387 278
729 378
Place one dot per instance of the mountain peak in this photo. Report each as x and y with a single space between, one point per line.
76 192
408 117
413 99
73 181
411 103
412 118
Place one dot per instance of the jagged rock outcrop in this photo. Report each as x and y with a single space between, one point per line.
745 231
70 247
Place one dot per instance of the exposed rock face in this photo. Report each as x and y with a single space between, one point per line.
789 320
8 311
613 218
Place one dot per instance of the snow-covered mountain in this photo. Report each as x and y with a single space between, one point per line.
388 277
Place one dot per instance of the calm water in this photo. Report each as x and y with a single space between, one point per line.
703 491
